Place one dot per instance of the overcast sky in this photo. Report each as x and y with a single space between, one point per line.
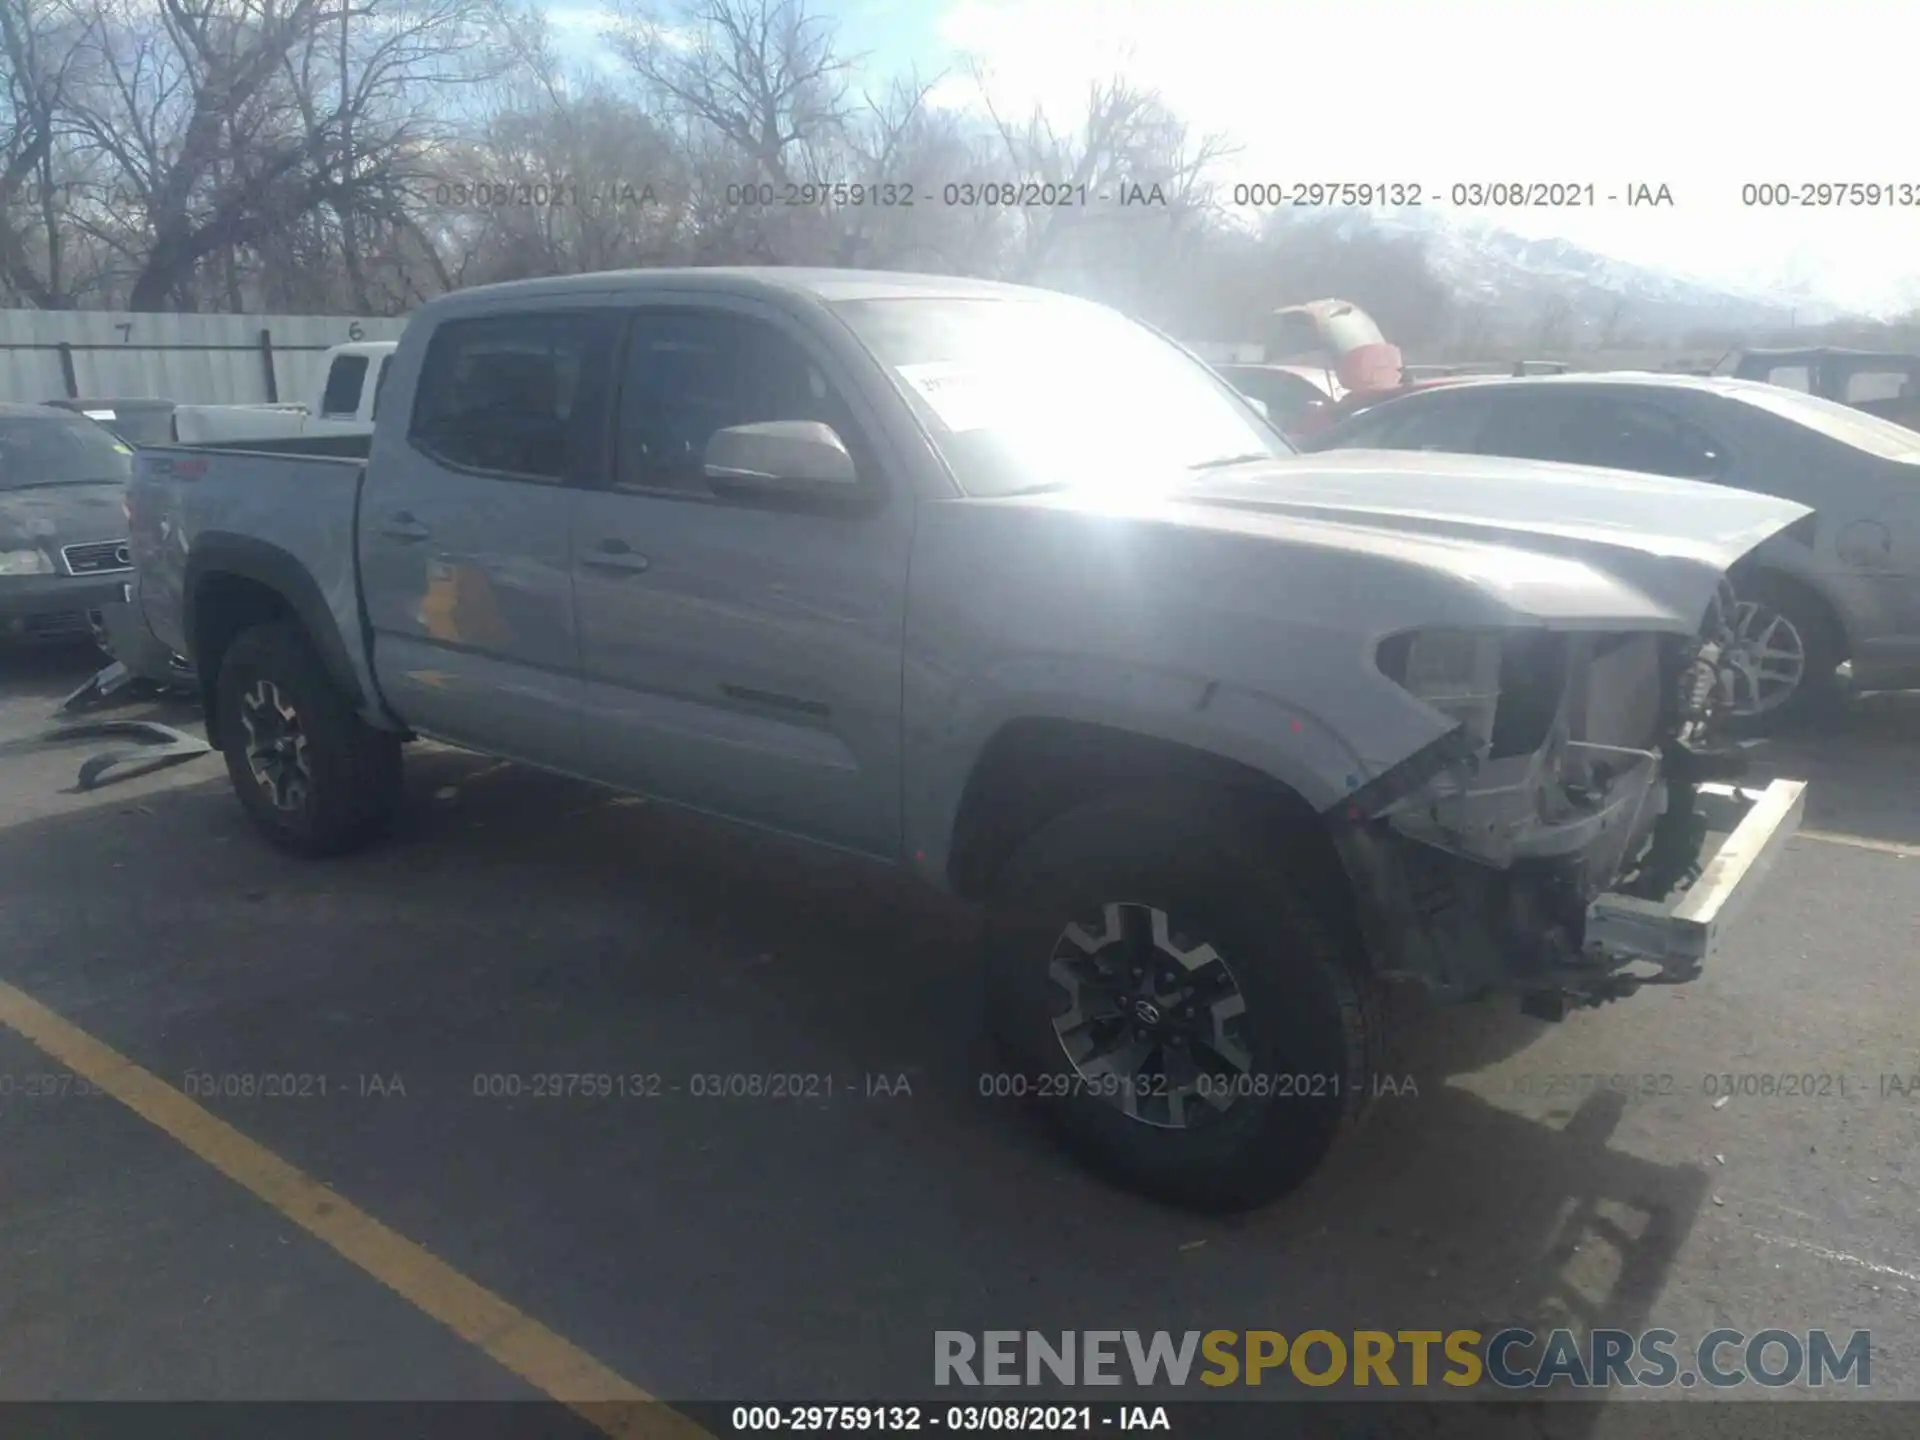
1700 95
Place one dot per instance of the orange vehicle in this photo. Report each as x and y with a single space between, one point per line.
1339 347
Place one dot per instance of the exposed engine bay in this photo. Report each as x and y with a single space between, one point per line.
1571 792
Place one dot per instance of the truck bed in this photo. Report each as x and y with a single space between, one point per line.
283 512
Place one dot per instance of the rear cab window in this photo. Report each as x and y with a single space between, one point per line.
344 381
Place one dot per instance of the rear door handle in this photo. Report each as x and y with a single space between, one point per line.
615 554
402 526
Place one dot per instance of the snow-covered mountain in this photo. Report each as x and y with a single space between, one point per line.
1529 286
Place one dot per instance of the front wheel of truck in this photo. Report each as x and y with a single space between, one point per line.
315 778
1173 993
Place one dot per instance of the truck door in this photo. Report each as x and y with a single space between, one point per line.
465 553
742 655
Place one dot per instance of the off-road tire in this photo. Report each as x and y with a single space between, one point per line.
355 783
1311 1012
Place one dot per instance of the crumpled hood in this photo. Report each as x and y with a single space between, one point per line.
1672 539
47 517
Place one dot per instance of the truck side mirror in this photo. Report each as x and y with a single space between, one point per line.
792 457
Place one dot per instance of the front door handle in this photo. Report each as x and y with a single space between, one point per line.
402 526
615 554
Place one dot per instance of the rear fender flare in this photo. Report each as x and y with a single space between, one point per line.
217 553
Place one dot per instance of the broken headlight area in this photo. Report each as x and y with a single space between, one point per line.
1572 779
1557 749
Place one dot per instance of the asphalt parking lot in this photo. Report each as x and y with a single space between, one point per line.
704 1248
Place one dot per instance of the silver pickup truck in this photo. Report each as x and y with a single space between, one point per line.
1005 588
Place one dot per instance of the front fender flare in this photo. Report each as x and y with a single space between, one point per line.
1286 740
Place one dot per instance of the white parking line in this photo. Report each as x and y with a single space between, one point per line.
1860 842
1839 1257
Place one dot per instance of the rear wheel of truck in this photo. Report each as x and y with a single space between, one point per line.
1166 987
315 777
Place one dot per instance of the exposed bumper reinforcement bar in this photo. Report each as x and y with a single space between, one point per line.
1683 931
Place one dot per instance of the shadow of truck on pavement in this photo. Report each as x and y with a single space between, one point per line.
757 1250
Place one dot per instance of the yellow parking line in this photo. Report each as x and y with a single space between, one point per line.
1860 842
520 1343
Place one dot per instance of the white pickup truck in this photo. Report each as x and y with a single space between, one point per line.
342 403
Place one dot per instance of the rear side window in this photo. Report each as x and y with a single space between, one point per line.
379 384
518 395
342 397
1865 386
1858 428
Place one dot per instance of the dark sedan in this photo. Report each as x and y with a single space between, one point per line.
1842 587
63 522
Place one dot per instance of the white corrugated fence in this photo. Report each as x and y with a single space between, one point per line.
194 359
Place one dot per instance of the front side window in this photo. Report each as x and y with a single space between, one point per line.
1025 394
509 394
1631 436
1620 434
1531 425
691 373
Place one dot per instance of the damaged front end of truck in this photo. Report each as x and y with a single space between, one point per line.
1578 834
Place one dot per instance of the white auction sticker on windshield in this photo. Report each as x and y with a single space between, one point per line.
961 395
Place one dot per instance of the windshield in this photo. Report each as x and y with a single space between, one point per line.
1838 422
1025 394
58 450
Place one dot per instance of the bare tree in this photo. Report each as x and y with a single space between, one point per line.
592 183
37 63
1124 196
904 151
228 123
764 76
1615 329
1553 327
